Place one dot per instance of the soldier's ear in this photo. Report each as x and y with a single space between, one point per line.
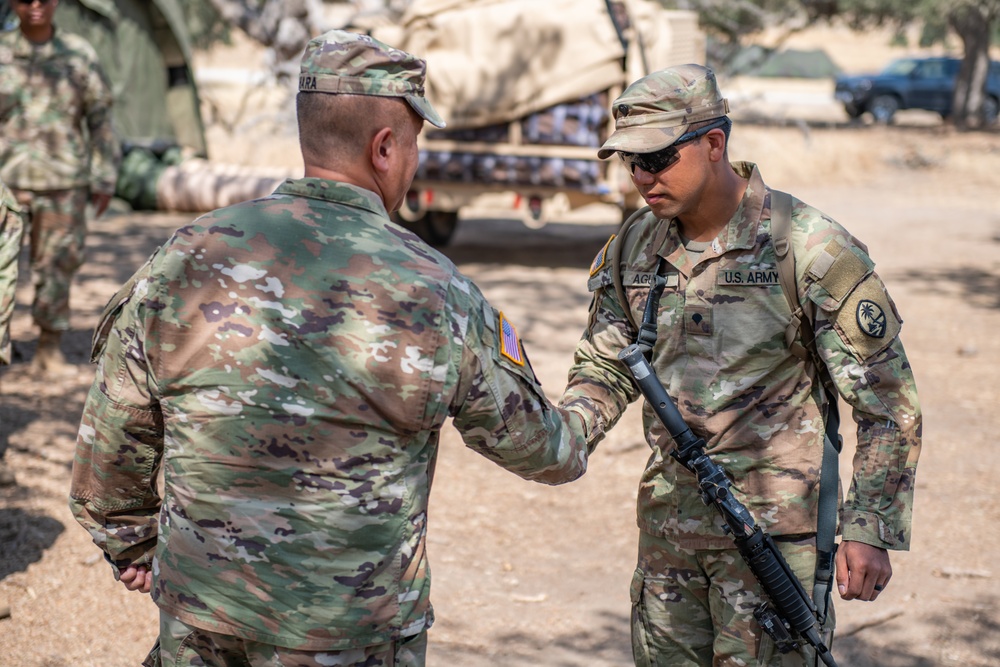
717 142
381 149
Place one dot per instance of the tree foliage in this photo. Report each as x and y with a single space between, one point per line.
975 22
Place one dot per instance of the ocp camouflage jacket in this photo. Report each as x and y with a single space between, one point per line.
722 356
289 363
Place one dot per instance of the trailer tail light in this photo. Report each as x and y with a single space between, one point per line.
535 207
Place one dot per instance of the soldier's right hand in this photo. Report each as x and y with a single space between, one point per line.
136 578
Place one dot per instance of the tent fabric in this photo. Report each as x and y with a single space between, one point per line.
145 50
793 63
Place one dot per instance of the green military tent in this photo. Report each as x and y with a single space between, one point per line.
145 50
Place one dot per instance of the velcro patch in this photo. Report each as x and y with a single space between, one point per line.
510 344
602 257
842 274
868 321
698 320
749 277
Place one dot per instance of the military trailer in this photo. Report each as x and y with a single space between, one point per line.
524 85
525 88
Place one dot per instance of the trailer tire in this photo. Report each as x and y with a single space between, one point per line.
435 228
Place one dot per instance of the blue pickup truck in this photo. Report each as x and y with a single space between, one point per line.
912 83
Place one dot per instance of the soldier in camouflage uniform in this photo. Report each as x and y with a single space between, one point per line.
11 230
289 362
721 354
57 152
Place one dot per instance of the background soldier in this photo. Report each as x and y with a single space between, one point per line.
721 353
11 229
57 152
290 361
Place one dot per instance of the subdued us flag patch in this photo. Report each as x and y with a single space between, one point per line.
510 344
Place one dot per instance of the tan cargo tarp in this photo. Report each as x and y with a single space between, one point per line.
493 61
662 38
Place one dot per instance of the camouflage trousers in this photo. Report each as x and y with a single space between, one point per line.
56 229
182 645
695 607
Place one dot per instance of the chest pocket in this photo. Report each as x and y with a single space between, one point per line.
749 308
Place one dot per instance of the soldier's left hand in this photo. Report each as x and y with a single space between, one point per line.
863 571
100 203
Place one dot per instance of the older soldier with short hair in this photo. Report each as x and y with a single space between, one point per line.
723 348
289 362
57 153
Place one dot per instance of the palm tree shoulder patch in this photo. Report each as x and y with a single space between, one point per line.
868 320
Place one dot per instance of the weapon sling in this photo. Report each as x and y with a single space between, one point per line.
789 611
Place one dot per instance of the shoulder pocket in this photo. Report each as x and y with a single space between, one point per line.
111 311
852 296
835 272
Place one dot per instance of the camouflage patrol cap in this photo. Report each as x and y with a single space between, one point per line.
350 63
658 108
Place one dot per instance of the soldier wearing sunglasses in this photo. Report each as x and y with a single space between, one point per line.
722 340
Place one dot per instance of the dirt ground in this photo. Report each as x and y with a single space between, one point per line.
529 575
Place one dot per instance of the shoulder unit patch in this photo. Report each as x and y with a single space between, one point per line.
868 320
871 318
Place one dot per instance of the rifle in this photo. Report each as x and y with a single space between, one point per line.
790 613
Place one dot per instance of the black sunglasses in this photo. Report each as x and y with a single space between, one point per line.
31 2
657 161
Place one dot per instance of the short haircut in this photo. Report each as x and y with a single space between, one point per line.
336 128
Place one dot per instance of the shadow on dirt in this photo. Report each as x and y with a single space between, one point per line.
118 245
980 288
607 641
509 242
24 538
967 633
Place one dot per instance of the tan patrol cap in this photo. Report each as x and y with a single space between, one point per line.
349 63
658 108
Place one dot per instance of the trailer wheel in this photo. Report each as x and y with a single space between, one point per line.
435 228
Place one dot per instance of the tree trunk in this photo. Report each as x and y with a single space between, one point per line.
973 23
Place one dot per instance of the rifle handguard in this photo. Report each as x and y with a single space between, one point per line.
792 606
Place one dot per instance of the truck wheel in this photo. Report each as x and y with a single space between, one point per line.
883 108
990 110
435 228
